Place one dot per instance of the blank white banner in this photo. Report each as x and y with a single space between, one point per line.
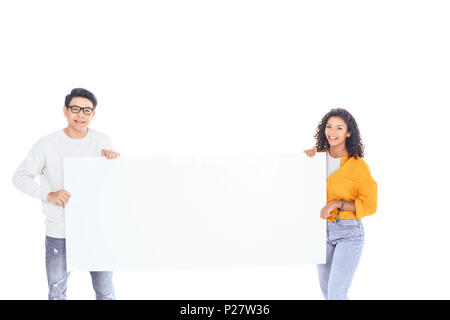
194 212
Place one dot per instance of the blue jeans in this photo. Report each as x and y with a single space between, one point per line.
345 240
57 275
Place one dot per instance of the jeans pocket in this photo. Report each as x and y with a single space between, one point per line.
349 222
361 231
352 233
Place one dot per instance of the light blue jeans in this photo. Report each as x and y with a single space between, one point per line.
345 240
57 275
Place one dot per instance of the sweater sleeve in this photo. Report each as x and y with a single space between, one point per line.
366 202
23 177
105 143
108 143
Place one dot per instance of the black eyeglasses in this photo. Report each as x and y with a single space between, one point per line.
77 109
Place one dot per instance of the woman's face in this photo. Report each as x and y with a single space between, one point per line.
336 131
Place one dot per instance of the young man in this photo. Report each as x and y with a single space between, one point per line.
46 159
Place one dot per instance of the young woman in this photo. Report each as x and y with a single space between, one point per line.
351 195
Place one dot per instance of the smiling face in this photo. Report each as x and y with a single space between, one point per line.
78 121
336 131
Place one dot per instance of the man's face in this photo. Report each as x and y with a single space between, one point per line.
79 120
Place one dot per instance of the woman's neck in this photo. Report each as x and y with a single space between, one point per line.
338 151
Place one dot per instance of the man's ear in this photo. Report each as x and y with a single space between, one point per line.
93 114
65 111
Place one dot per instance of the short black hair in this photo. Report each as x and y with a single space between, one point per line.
353 143
80 92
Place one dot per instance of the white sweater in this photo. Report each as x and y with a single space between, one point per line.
46 160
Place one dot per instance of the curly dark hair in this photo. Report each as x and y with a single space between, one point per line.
354 145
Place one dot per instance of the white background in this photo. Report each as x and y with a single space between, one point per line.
221 77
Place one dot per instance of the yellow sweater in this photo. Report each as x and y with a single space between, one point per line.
353 182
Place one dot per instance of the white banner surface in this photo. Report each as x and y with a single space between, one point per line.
194 212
